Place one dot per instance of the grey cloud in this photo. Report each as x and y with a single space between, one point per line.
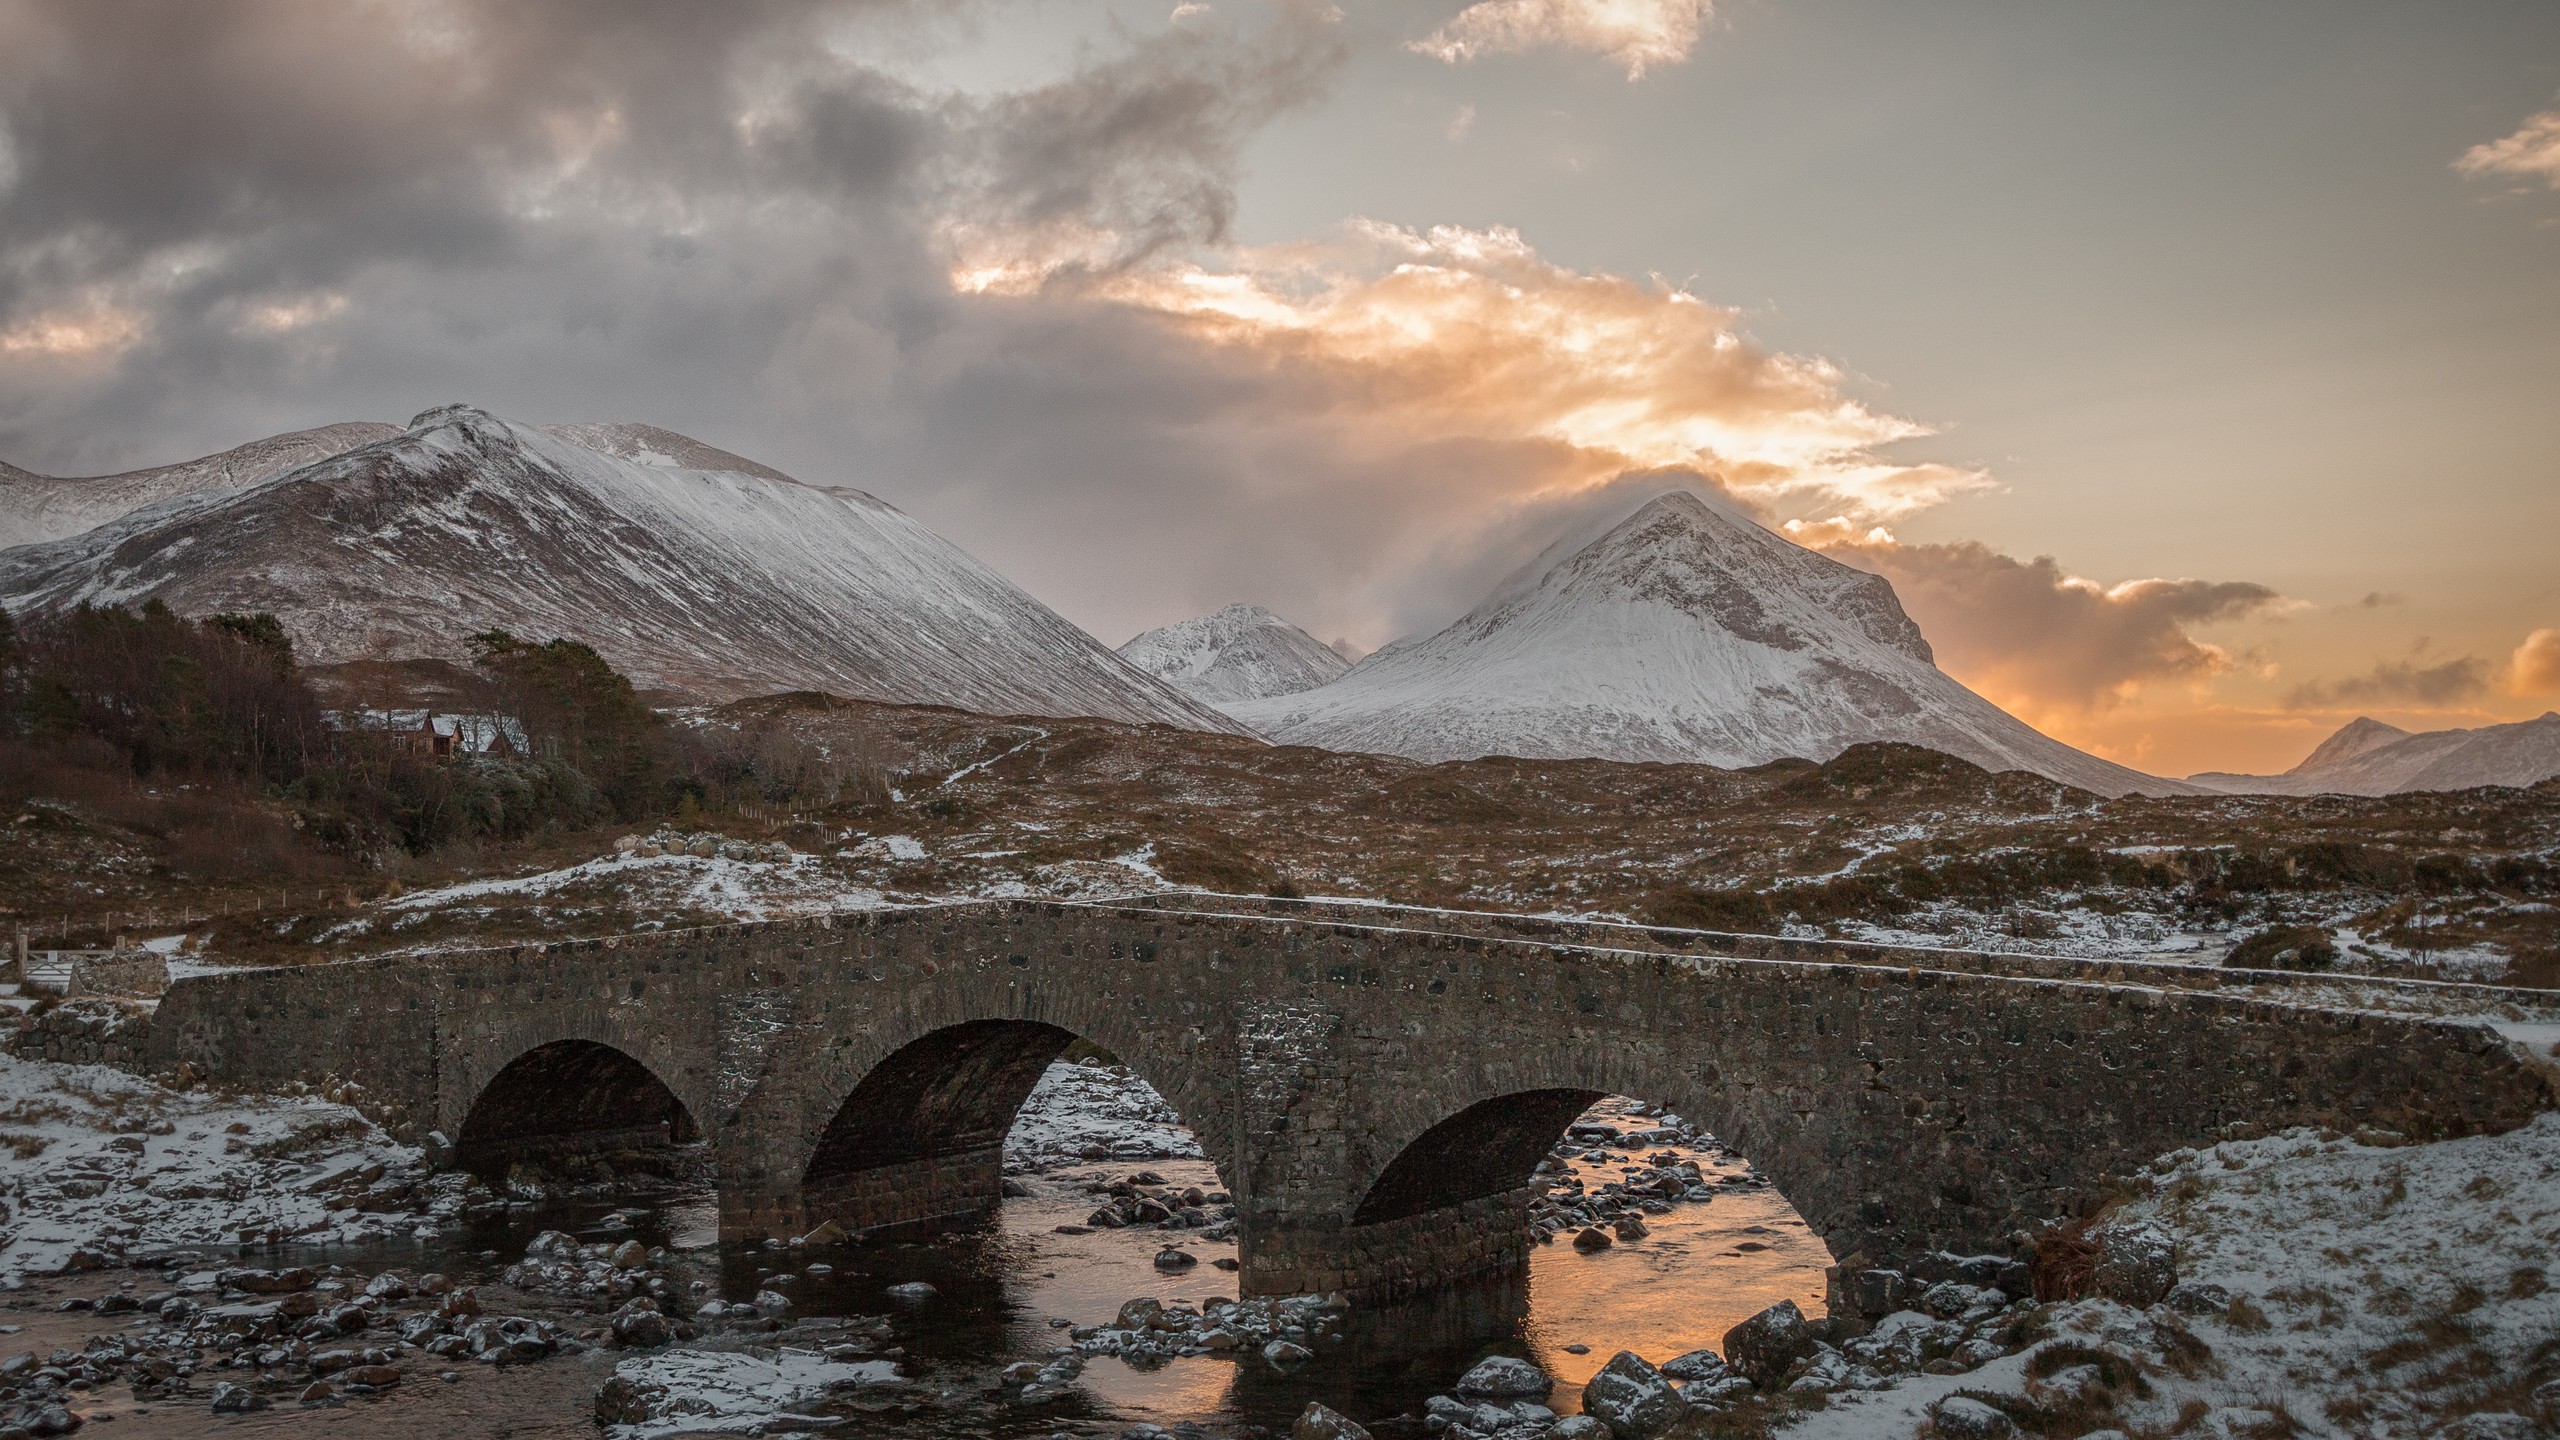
2400 682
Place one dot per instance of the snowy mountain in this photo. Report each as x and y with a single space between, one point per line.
687 567
1242 652
1685 633
2367 757
36 508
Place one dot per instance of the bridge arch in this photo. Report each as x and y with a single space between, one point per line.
908 1123
1489 1148
571 1097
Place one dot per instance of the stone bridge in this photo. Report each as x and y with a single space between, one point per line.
1374 1087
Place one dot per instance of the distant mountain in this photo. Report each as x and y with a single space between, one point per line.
2368 757
1242 652
35 508
688 567
1685 633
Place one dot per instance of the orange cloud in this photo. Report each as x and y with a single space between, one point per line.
1638 34
2050 645
2535 667
1468 334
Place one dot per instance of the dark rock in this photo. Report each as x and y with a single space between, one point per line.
1632 1398
1762 1347
1696 1365
1592 1237
2197 1297
2137 1264
1317 1422
1959 1417
1506 1378
232 1400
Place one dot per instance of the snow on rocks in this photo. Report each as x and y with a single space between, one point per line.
1506 1378
1282 1329
100 1164
2369 1289
1087 1110
691 1392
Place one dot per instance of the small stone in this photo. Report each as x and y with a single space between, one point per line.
371 1376
232 1400
1170 1258
630 1255
1015 1189
1631 1227
913 1292
1317 1422
1138 1314
827 1233
1960 1417
774 1302
1632 1398
641 1329
1284 1353
316 1391
1764 1346
1592 1237
1227 1262
1504 1377
1580 1427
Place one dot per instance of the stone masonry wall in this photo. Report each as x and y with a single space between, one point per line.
1900 1109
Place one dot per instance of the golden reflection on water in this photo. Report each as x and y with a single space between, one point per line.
1704 1268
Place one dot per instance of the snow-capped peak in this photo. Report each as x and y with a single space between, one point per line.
1683 633
1240 652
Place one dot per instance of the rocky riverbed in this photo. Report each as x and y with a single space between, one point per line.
179 1259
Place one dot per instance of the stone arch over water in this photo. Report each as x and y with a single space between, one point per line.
571 1097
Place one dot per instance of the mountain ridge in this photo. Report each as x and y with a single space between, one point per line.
1683 633
717 582
2368 757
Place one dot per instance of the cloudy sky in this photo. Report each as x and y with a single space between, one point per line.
2192 368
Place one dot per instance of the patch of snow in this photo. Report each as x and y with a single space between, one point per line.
699 1391
100 1161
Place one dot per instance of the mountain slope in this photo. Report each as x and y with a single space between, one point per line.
1684 634
1242 652
35 508
2368 757
723 582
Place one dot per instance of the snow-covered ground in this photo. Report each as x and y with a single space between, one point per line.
1092 1111
98 1164
2368 1292
740 889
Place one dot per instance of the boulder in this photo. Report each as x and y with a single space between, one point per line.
1764 1346
1632 1398
1961 1418
1505 1378
1317 1422
1138 1314
1696 1365
2137 1264
1630 1226
1592 1237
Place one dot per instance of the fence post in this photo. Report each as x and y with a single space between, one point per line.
18 958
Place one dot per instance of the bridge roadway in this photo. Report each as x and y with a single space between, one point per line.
1374 1086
